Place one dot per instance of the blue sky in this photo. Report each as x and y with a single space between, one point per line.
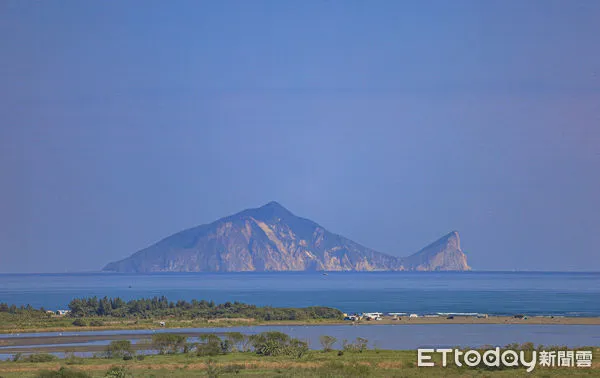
389 122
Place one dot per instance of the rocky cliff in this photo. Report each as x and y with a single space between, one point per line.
271 238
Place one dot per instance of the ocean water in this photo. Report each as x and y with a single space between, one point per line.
499 293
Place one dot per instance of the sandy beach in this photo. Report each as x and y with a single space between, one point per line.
461 319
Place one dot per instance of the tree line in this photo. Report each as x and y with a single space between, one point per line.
161 306
13 309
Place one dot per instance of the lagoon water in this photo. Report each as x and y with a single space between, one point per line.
386 336
499 293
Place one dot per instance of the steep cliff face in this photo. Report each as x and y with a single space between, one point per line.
443 254
271 238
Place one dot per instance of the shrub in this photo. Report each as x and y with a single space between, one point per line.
226 346
210 346
79 323
297 348
96 323
360 345
119 349
208 349
278 344
237 340
168 342
72 359
62 373
39 357
327 342
233 368
118 372
211 368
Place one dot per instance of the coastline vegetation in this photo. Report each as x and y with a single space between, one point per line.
268 354
116 313
162 307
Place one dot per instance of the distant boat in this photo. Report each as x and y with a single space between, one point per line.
325 274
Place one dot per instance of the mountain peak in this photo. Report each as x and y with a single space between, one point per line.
273 205
454 237
271 238
443 254
272 210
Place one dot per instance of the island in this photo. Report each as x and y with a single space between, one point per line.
271 238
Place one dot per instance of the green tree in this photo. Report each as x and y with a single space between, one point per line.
119 349
168 342
236 339
327 342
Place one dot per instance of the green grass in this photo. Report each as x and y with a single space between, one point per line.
372 363
12 323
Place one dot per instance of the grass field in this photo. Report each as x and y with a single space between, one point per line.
371 363
22 324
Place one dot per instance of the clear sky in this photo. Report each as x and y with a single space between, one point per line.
389 122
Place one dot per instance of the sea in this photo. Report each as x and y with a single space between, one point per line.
494 293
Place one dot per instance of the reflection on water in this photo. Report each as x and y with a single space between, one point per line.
389 336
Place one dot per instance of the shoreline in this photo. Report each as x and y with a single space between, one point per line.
231 322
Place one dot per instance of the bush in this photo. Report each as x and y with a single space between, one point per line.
72 359
118 372
210 348
39 357
327 342
211 368
168 342
79 323
119 349
278 344
233 369
237 340
62 373
96 323
360 345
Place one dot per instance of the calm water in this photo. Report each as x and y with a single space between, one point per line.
396 336
572 294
